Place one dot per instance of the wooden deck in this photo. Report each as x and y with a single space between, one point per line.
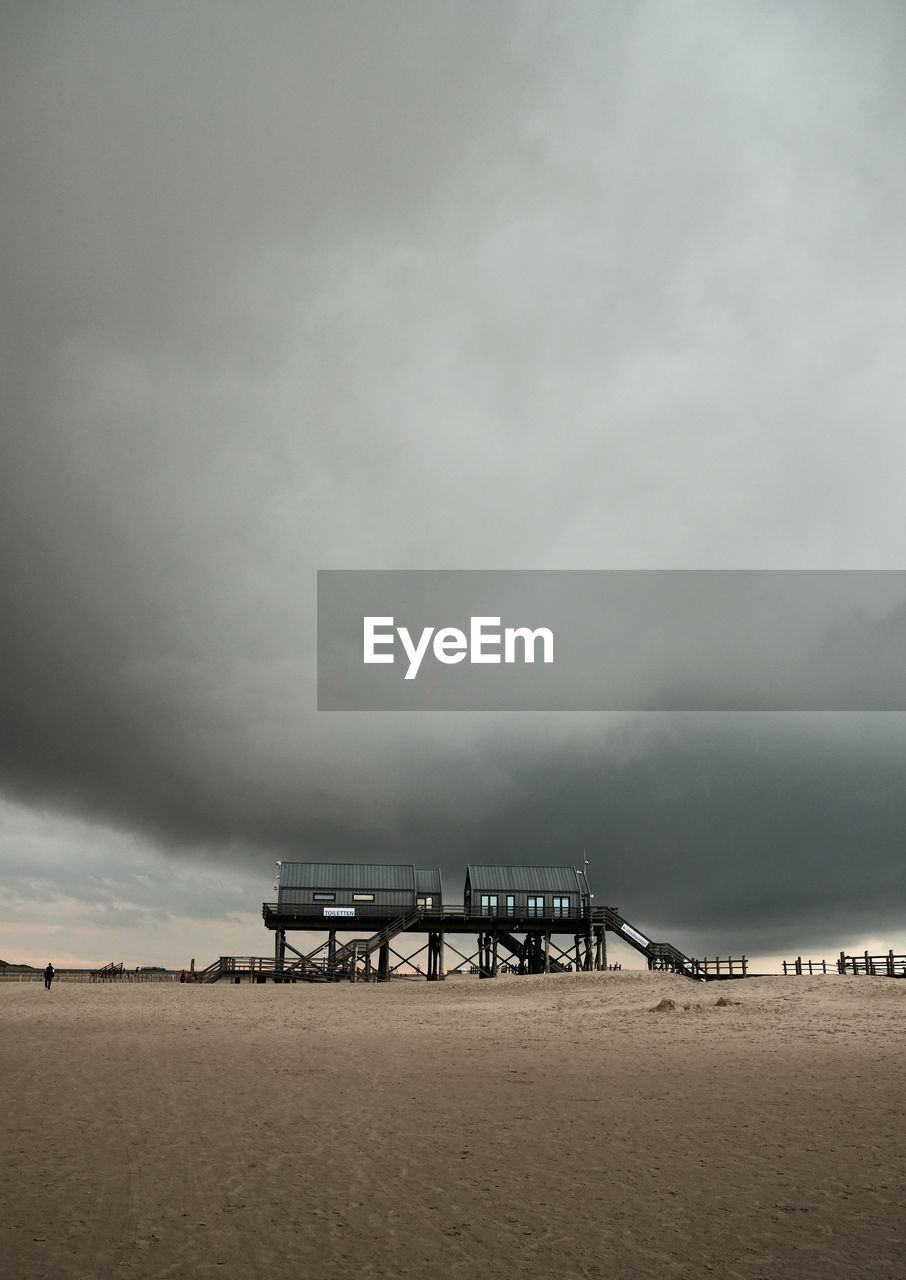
498 933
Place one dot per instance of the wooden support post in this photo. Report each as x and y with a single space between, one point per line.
435 956
547 951
384 962
494 958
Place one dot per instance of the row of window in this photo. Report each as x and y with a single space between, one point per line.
534 905
332 897
423 900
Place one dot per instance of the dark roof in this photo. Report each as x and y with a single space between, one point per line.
427 880
485 879
346 875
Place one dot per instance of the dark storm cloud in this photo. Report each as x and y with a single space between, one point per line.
714 832
732 834
413 285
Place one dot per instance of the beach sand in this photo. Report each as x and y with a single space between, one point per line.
538 1126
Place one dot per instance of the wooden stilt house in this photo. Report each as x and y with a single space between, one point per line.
337 890
526 893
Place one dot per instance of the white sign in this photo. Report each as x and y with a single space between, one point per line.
339 911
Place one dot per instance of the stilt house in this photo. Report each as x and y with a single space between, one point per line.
551 893
355 890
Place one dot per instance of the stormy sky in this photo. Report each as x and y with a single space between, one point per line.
418 285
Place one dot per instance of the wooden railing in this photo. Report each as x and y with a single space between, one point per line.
798 967
90 975
888 966
272 911
723 966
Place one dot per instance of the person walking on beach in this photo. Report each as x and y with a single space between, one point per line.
48 977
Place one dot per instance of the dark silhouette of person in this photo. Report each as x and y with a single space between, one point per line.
48 977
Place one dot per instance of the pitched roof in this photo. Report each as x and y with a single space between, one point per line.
427 880
346 875
492 879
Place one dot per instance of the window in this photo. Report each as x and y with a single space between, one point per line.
325 897
536 905
489 904
425 900
561 906
511 904
363 897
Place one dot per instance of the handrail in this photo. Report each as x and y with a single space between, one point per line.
375 911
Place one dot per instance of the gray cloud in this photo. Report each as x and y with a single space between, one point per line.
420 285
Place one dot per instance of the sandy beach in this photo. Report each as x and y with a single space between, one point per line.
542 1126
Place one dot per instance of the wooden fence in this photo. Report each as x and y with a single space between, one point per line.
888 966
723 966
90 975
800 966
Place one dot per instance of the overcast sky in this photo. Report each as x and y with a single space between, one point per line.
299 285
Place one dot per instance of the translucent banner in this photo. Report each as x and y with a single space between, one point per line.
691 640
